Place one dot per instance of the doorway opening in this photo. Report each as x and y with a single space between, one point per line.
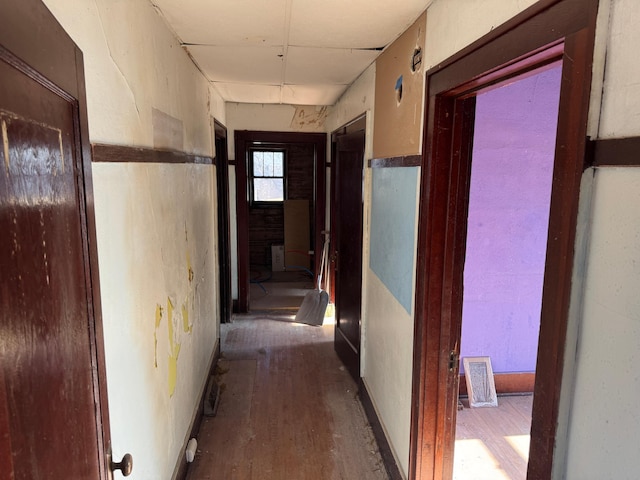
281 213
510 51
509 198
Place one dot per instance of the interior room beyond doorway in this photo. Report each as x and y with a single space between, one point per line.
507 227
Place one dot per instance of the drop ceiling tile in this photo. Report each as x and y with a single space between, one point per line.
226 22
326 65
246 93
312 94
352 24
239 64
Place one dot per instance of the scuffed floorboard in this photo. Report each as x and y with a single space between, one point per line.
288 410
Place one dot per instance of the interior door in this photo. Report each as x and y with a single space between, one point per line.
53 422
224 243
347 252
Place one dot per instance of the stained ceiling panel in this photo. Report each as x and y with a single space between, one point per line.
352 24
286 51
226 22
246 93
312 94
239 64
326 65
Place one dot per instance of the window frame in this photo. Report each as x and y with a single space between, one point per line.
251 177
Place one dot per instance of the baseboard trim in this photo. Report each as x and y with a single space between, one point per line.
378 432
507 383
182 467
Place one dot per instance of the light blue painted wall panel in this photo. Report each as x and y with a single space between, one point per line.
393 212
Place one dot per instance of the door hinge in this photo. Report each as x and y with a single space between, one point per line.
453 360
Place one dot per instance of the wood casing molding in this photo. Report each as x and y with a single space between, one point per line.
614 152
546 32
125 154
244 140
392 162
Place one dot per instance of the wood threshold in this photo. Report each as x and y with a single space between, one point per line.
125 154
386 453
507 383
182 468
615 152
391 162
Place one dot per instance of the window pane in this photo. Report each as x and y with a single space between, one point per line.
278 164
268 164
258 164
268 190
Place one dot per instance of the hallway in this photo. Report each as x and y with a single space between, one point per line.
288 408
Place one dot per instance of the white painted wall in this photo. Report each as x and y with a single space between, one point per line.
387 328
157 271
155 225
603 420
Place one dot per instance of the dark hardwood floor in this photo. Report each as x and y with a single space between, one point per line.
288 410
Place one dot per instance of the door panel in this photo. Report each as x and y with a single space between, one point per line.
45 346
348 247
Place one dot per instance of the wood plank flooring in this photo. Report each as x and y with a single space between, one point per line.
289 409
493 443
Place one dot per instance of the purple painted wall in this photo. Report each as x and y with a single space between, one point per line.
511 177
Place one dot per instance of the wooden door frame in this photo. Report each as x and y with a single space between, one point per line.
354 133
31 34
244 139
224 235
539 34
358 123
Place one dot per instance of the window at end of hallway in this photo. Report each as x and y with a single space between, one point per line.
267 176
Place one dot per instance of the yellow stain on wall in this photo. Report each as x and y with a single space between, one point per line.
186 327
174 350
155 334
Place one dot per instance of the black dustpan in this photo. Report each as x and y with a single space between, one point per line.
315 302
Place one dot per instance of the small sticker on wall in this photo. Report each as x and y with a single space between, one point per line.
399 89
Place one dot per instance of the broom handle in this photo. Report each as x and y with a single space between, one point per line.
322 262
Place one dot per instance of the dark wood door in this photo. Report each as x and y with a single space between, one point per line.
347 252
52 417
224 243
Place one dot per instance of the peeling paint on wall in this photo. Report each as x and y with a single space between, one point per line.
155 334
190 274
186 326
174 350
305 116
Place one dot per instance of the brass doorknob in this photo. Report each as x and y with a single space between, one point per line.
125 465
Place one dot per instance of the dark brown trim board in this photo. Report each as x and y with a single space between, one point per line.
547 32
392 162
124 154
243 141
612 152
389 460
507 383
